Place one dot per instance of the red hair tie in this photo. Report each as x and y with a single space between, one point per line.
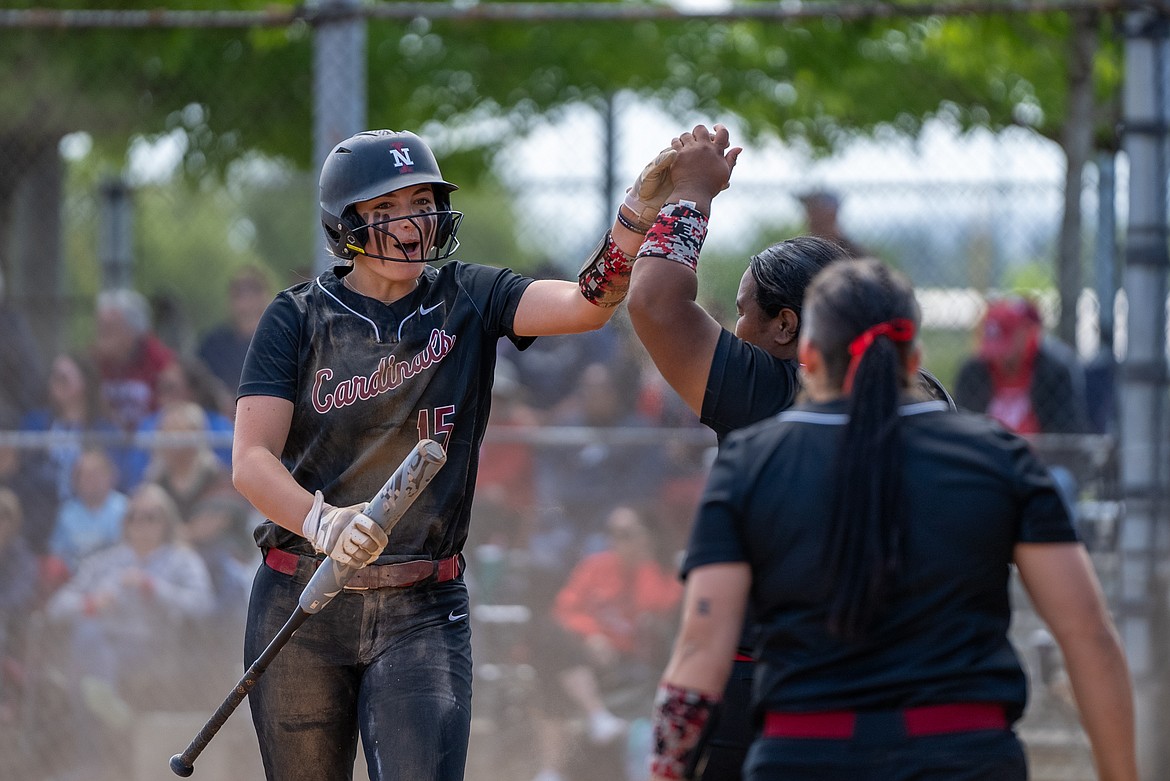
898 330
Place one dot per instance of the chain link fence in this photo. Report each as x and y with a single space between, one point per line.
538 513
115 172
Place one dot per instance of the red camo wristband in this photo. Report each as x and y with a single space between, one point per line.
677 234
680 714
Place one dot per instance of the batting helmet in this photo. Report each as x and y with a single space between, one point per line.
374 163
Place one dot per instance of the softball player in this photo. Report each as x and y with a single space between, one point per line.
873 534
731 380
345 374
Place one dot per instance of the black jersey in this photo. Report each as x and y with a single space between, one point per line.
746 384
973 491
369 380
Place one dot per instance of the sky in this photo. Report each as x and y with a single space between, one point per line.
1010 182
569 149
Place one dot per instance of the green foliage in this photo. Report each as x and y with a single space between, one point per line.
190 240
189 266
230 94
817 82
273 212
943 352
719 276
187 240
1033 278
488 232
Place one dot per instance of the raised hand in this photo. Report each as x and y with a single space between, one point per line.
704 164
650 190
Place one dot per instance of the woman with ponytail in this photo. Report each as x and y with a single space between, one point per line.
872 532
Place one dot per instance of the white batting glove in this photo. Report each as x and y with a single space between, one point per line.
345 534
650 190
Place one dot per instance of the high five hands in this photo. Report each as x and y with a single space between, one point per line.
656 182
703 165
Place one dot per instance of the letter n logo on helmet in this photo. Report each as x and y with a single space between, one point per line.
401 157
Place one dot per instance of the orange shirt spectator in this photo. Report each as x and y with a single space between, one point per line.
617 593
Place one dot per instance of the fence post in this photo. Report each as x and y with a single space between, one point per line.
1105 251
116 234
339 87
1144 381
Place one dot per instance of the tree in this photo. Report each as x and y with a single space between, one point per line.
817 82
121 85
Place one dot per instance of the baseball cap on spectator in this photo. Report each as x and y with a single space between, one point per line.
1005 320
822 198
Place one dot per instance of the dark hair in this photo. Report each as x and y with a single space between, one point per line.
783 270
204 387
96 408
864 553
653 520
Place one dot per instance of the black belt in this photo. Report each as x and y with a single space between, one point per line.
373 576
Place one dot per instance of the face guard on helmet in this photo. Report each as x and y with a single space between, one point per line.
375 163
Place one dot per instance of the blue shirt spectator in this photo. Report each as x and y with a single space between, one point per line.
91 519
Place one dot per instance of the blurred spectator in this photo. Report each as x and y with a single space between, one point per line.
504 478
18 594
821 208
186 379
613 621
550 368
190 379
170 320
1100 387
72 405
685 458
29 474
183 463
1019 376
129 356
125 611
578 482
250 290
219 530
20 360
92 518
